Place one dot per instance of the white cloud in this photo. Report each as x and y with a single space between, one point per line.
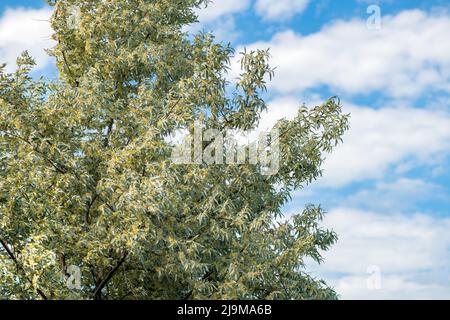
223 28
398 138
409 55
410 251
25 29
279 108
402 138
219 8
393 287
218 17
280 9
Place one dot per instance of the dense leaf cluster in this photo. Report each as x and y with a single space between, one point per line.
86 177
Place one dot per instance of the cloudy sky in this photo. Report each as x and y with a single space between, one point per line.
387 188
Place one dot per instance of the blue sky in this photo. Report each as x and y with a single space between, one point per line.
387 188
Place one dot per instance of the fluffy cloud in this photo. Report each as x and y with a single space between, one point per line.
219 8
380 139
280 9
219 17
410 252
280 108
398 138
393 287
25 29
409 55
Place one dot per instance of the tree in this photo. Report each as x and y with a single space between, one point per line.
87 180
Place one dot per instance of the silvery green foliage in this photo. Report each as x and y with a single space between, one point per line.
86 178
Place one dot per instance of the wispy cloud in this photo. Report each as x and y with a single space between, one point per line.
401 195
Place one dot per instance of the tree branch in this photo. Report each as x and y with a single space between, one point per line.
104 282
88 211
69 69
19 266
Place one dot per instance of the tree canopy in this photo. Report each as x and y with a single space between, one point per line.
86 177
